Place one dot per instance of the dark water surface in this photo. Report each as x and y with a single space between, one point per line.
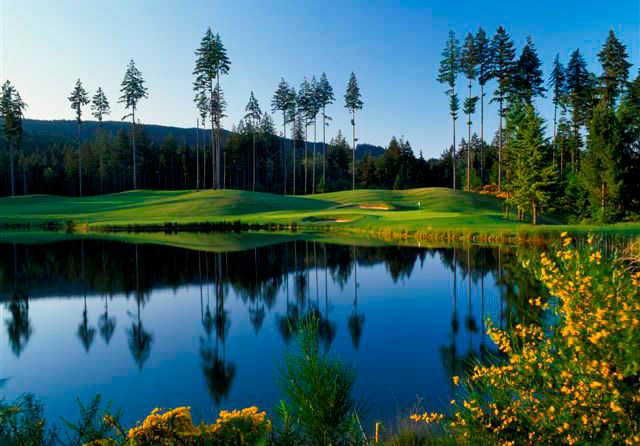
154 326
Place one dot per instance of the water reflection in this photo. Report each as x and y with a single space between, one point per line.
392 305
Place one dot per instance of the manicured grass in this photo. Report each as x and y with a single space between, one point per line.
410 211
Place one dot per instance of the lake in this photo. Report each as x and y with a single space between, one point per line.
156 326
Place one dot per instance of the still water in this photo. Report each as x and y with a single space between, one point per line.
154 326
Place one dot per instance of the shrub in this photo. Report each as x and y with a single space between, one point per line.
573 381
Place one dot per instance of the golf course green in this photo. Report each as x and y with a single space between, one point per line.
415 211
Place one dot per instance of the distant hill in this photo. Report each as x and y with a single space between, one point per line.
60 130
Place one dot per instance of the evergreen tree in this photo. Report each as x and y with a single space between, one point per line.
615 68
600 167
253 115
353 102
293 117
578 84
304 101
557 85
447 74
133 90
502 56
211 62
483 54
469 67
77 100
314 105
326 97
100 108
281 102
528 81
533 176
12 112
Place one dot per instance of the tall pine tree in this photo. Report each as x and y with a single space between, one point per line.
483 54
447 74
557 85
353 102
133 90
502 56
78 99
578 85
615 68
253 115
469 67
325 93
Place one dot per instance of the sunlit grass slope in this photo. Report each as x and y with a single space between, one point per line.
431 206
411 210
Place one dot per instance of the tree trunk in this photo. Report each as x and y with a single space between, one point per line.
80 162
469 145
213 149
12 155
602 198
555 132
353 165
500 146
324 145
284 150
133 139
534 213
254 159
313 170
453 154
481 134
197 154
306 159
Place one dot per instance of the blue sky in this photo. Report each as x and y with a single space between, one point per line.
393 46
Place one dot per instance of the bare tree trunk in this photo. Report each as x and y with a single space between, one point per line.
213 150
293 159
133 139
284 150
12 155
324 145
80 162
353 163
469 146
313 171
254 159
197 154
306 158
500 148
602 197
453 154
481 134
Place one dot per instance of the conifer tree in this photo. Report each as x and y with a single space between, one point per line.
218 107
325 93
483 54
253 115
304 101
447 74
211 62
557 85
100 108
528 81
502 55
77 100
133 90
12 112
282 102
578 84
600 167
615 68
353 102
293 117
314 104
469 67
532 176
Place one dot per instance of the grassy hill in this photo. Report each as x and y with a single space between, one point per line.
416 210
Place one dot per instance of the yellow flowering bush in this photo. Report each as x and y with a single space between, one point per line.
246 427
575 380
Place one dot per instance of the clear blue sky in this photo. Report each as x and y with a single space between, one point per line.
393 46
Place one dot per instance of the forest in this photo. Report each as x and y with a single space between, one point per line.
585 168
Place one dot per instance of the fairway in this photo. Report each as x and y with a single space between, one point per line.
408 211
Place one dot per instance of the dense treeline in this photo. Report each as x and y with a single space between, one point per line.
588 169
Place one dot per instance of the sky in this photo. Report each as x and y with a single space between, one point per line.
393 47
